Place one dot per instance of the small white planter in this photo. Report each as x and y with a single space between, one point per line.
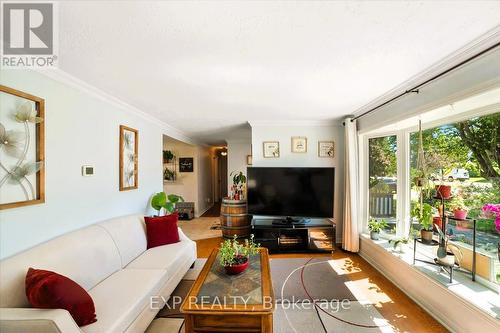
374 235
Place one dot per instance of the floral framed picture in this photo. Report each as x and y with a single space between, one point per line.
22 149
299 144
129 153
271 149
326 149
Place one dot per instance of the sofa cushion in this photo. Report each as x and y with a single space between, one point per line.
122 297
162 230
86 256
169 257
49 290
129 235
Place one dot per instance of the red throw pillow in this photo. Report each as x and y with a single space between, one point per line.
49 290
162 230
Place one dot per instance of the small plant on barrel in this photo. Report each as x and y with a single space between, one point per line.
234 257
238 188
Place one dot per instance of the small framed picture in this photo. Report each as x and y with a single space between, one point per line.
299 144
326 149
271 149
186 164
129 154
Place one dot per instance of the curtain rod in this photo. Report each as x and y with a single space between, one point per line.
416 88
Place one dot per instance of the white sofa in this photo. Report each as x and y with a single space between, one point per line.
110 261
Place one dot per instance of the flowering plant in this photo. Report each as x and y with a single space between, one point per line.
492 210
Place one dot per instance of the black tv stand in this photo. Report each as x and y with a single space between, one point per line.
294 235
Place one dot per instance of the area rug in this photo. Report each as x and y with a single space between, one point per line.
310 297
201 228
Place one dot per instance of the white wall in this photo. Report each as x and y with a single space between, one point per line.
237 152
205 192
314 131
80 129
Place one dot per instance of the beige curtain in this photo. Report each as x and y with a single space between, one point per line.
350 222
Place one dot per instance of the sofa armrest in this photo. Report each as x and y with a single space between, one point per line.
182 236
20 320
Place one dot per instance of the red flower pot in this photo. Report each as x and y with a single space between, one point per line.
460 214
236 269
443 191
436 220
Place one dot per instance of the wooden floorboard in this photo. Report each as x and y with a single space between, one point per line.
402 312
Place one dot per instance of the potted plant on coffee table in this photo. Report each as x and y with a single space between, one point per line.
234 256
375 226
423 214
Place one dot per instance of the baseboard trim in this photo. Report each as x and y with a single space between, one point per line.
204 211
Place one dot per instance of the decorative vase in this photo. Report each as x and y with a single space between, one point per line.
460 214
237 269
374 235
443 191
426 236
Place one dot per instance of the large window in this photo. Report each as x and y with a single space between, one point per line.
466 156
383 180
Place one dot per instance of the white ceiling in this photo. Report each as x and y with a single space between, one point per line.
207 68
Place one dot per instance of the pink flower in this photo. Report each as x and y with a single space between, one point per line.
490 210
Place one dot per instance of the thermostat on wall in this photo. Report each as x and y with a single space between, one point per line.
87 170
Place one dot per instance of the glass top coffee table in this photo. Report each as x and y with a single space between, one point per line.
231 303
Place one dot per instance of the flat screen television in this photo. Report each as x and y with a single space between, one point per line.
290 192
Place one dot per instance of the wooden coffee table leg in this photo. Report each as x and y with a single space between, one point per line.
188 323
267 323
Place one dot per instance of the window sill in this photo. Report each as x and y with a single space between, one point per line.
476 294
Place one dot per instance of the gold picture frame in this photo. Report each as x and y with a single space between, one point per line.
326 149
129 158
271 149
299 144
22 119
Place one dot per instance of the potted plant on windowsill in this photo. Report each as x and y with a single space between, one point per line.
235 257
375 226
447 254
423 214
459 209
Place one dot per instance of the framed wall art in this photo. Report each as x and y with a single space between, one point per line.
129 157
299 144
271 149
326 149
186 164
22 149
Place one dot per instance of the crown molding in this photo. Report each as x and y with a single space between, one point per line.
478 45
66 78
284 123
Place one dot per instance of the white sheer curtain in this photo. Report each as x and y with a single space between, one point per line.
350 222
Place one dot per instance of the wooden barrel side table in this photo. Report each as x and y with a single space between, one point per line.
234 218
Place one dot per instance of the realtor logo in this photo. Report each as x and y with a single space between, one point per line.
28 35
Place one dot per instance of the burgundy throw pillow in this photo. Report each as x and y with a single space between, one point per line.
49 290
162 230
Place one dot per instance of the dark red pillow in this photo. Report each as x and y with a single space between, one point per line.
49 290
162 230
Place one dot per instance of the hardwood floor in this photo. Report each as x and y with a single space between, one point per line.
402 312
214 211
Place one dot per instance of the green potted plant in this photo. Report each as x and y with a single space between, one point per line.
168 156
161 200
375 226
457 205
168 174
234 257
423 214
447 254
